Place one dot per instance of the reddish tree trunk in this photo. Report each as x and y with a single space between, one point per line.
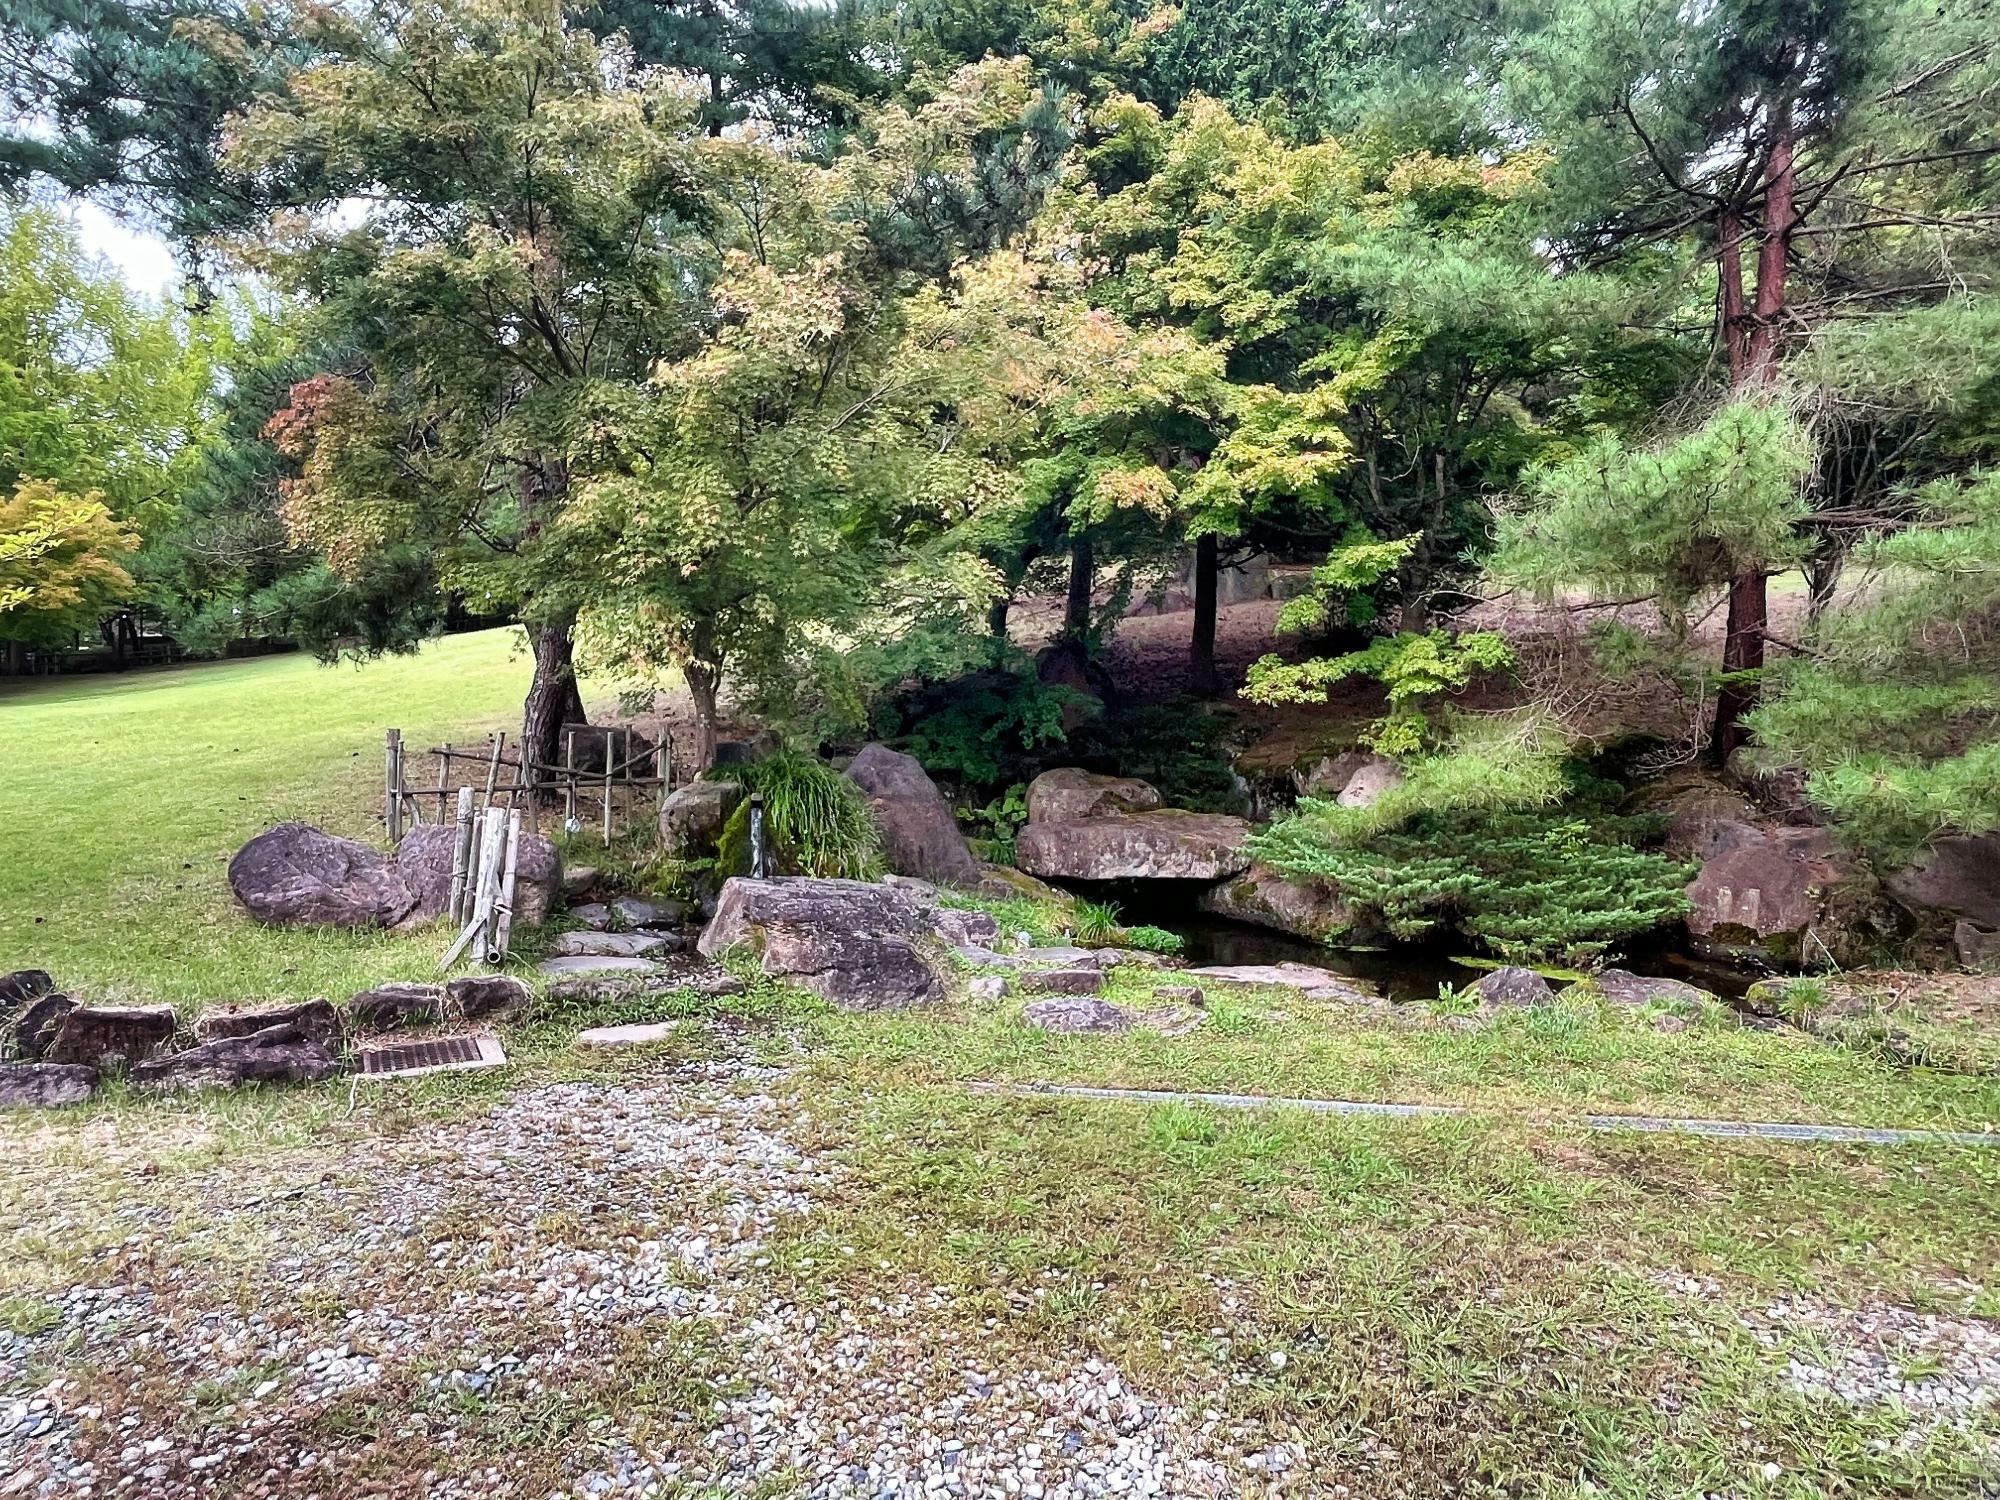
1753 357
1202 680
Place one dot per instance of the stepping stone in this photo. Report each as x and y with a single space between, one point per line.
636 911
592 914
641 1034
610 944
1315 983
597 965
1071 1014
1062 981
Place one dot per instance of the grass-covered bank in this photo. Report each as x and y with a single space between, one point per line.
124 797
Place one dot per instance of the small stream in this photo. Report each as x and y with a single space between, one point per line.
1400 971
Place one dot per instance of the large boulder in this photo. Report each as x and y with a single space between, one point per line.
1166 844
858 945
295 875
423 859
1262 897
1767 894
1069 795
110 1037
277 1054
919 834
1958 877
45 1085
315 1020
692 819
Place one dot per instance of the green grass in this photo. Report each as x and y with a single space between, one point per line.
1501 1304
124 797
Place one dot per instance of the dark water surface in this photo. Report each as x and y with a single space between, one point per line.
1401 971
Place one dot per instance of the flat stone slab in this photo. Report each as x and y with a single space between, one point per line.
610 944
1078 981
639 1034
1077 1014
597 964
1167 844
1316 983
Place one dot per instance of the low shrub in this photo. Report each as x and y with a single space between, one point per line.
817 820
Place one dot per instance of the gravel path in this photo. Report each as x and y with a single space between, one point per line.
569 1296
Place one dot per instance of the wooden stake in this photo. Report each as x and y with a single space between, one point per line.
461 853
444 771
663 767
392 804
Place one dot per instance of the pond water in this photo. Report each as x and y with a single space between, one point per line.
1401 971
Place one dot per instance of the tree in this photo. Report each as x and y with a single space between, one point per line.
97 390
1824 155
529 206
792 485
798 68
59 564
125 100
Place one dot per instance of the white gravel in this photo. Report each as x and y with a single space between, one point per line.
476 1275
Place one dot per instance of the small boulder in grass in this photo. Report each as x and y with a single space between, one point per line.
45 1085
277 1054
315 1020
18 988
1513 986
479 997
1077 981
110 1037
1076 1014
390 1007
639 911
35 1025
987 988
1179 994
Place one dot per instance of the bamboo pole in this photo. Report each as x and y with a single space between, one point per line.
503 920
444 773
607 788
663 766
392 785
461 853
491 838
493 766
569 780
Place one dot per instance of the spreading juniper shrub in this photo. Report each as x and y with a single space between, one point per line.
1564 885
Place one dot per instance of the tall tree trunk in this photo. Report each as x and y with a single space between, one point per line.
704 680
553 699
1749 605
1823 570
1202 680
1082 574
17 658
1731 324
1742 651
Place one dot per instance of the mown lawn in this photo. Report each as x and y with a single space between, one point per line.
123 797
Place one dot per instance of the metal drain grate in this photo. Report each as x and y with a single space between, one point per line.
438 1055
